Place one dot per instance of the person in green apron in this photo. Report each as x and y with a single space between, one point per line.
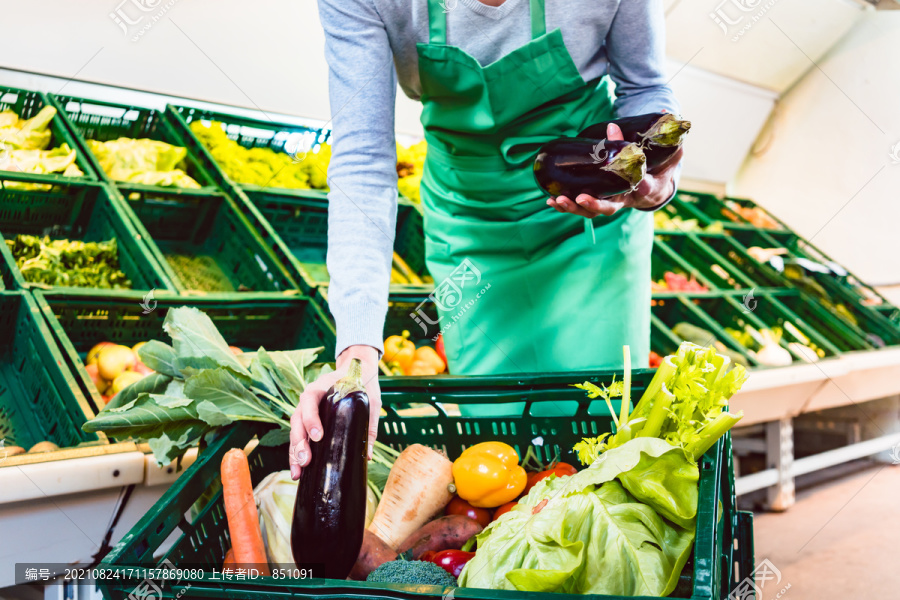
524 283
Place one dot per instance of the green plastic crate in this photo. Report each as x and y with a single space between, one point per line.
78 322
202 541
666 259
678 309
206 243
301 223
75 211
27 104
39 397
250 133
99 120
716 268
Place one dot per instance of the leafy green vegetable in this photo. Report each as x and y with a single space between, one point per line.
68 263
145 161
587 534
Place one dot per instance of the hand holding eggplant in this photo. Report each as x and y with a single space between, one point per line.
305 423
654 189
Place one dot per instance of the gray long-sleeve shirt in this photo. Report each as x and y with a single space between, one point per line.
371 46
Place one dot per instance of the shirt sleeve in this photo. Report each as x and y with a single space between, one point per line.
636 49
362 174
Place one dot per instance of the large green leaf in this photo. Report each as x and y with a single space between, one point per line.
146 416
197 342
598 541
226 399
159 357
588 526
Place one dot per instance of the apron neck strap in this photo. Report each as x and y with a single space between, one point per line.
438 13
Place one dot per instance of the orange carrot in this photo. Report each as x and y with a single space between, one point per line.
228 563
240 508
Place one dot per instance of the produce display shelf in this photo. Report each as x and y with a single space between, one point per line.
27 104
298 217
720 553
102 121
39 397
88 212
79 321
249 133
207 243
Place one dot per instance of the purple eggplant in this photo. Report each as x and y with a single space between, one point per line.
572 166
330 509
659 134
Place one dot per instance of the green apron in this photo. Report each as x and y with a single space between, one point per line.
519 287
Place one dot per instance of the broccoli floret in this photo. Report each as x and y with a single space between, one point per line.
417 572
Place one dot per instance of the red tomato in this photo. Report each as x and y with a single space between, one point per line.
502 510
458 506
560 470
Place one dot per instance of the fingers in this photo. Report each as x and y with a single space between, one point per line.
614 132
600 206
374 394
565 205
305 424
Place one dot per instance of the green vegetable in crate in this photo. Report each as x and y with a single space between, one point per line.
144 161
410 163
625 524
68 263
264 167
702 337
23 146
412 572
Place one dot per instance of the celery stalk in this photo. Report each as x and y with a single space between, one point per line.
658 413
712 432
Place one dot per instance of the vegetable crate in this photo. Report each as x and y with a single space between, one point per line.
722 553
39 397
207 243
79 321
27 104
249 133
410 311
297 217
301 224
103 121
74 211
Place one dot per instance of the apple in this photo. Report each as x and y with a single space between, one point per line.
137 347
94 352
114 360
100 383
235 350
105 400
124 380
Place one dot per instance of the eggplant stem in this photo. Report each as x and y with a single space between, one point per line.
667 131
630 164
351 382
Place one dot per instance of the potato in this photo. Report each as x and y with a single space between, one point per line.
41 447
7 451
445 533
372 555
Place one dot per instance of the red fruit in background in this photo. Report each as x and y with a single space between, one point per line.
141 368
502 510
235 350
560 470
439 347
458 506
452 561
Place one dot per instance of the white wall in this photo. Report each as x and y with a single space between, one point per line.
267 54
824 164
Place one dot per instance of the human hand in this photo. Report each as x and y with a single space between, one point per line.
305 423
656 187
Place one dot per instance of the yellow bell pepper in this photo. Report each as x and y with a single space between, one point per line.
401 350
488 474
